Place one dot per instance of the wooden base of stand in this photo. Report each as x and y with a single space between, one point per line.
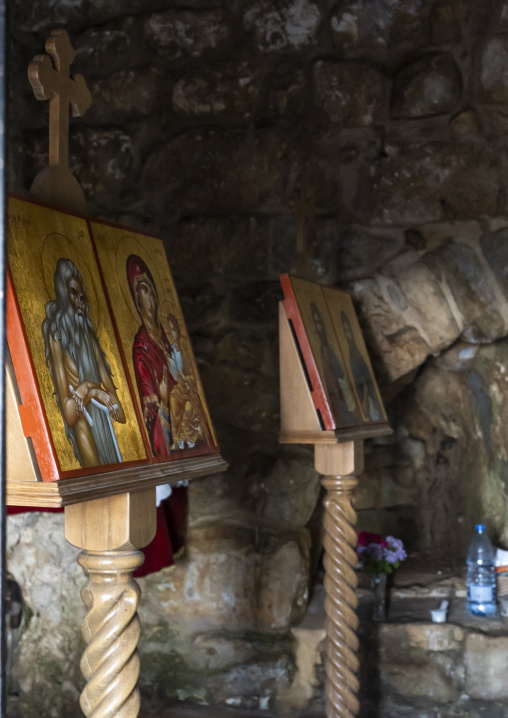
111 628
111 531
338 463
339 459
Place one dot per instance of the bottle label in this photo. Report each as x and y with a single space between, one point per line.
481 594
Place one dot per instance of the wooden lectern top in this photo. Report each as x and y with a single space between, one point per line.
328 390
104 393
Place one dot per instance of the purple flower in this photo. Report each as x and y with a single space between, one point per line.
395 549
375 551
377 555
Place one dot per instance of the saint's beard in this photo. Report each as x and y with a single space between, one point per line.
82 338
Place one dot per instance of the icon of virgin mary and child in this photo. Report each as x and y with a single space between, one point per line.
172 409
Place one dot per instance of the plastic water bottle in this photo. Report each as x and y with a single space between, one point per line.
481 577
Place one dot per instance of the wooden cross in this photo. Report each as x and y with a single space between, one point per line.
50 79
302 204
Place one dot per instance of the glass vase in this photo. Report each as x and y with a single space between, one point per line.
378 583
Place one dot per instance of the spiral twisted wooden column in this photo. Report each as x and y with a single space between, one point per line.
111 628
341 663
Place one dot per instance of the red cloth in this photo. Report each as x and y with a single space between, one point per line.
169 538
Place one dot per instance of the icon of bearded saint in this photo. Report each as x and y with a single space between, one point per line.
84 390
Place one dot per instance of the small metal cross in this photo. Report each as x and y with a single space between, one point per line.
50 78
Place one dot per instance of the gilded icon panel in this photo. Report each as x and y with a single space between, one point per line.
327 353
339 353
71 340
155 343
354 351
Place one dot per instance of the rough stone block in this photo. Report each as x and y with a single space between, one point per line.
101 48
292 490
494 246
412 317
477 309
381 521
251 402
340 169
176 33
209 498
213 589
45 567
445 22
284 586
204 310
255 302
240 347
423 302
219 172
361 24
377 489
438 181
231 91
464 463
226 580
396 641
125 95
109 162
288 93
285 23
486 659
467 123
430 86
494 69
420 681
215 652
349 92
362 251
254 684
236 247
39 17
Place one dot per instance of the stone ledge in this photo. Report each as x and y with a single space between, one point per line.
409 665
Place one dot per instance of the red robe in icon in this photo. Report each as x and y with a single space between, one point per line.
150 358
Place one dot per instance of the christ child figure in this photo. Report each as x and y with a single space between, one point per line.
188 418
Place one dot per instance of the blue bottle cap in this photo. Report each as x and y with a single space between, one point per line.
480 528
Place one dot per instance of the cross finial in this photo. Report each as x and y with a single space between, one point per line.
302 204
50 78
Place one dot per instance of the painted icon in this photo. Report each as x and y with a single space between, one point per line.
65 328
330 340
155 343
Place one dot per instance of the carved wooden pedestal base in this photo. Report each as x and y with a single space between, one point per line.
111 628
338 462
110 531
340 580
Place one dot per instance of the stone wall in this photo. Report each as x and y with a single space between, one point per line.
206 115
